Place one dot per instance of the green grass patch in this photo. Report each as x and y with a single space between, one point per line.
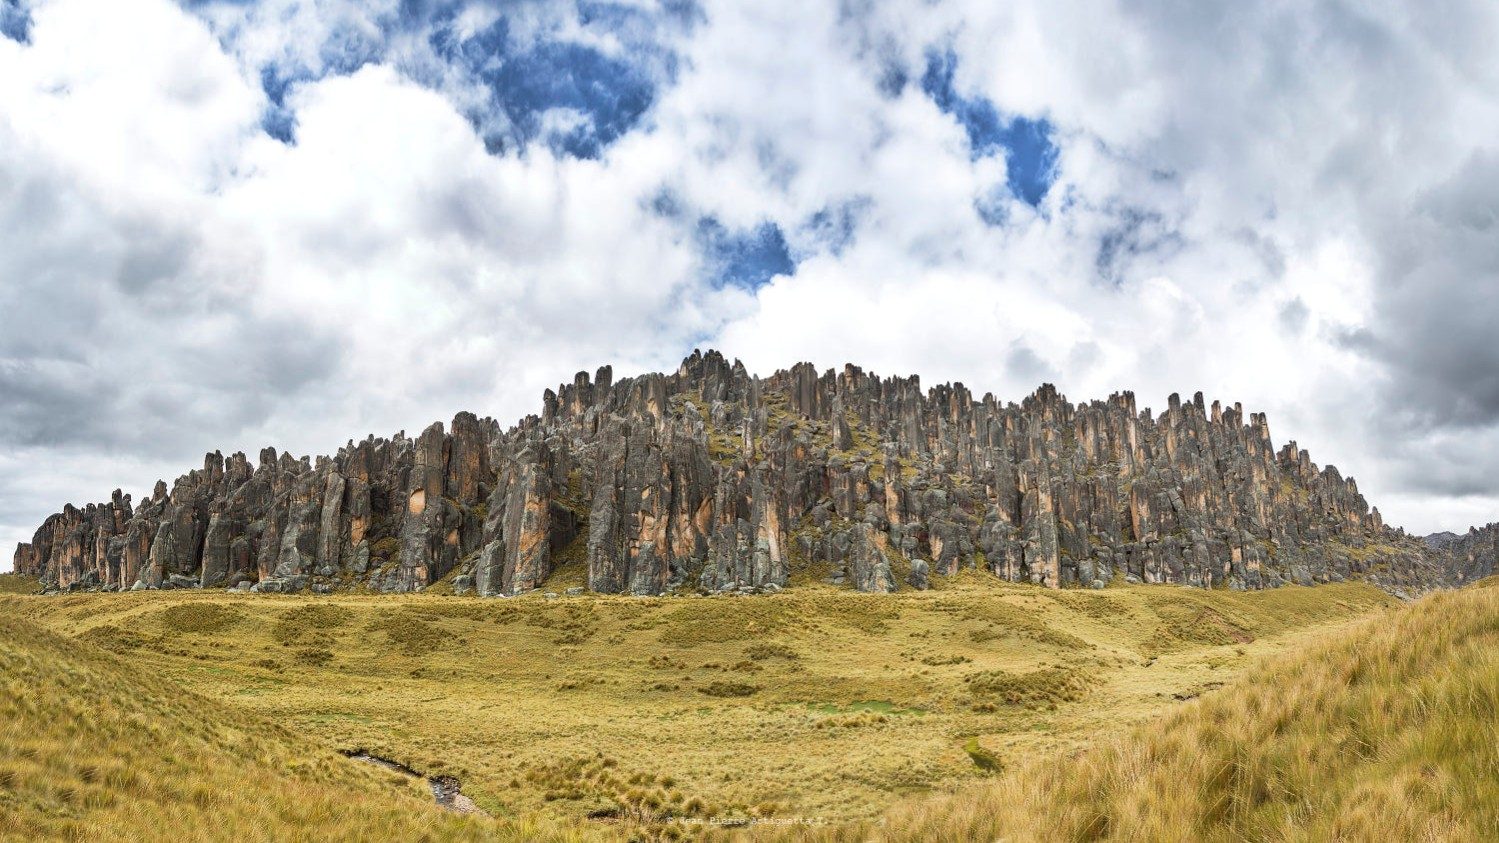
982 758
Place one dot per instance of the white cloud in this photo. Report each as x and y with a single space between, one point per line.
1249 205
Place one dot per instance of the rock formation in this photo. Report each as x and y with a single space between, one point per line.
1468 557
713 479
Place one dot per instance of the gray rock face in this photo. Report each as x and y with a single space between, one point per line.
711 479
1470 556
920 576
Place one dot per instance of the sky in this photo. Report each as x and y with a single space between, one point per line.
226 225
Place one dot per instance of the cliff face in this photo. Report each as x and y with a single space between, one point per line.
710 478
1467 557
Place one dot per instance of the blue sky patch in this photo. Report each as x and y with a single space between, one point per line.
15 21
993 207
745 258
567 94
1030 163
570 96
279 121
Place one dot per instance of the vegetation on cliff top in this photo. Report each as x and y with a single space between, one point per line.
19 584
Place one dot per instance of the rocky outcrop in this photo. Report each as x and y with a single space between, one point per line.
1468 557
711 478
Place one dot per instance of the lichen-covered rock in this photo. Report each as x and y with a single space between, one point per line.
712 479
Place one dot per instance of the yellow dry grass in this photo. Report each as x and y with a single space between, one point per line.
95 748
1388 731
622 715
19 584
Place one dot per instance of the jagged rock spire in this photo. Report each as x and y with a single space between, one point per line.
712 478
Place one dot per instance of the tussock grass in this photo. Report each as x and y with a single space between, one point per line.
200 618
1387 732
1044 687
408 633
19 584
92 750
859 700
721 688
716 621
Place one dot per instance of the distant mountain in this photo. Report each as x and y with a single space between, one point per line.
712 479
1437 541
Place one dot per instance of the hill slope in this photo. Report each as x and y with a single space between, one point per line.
710 478
1387 732
93 748
1133 713
815 702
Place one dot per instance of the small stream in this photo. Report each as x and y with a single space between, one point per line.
446 790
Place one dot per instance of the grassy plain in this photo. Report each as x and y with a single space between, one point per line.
1387 731
601 715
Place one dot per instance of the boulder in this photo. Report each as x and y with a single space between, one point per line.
919 576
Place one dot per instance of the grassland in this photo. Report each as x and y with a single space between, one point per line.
1387 731
94 748
19 584
605 715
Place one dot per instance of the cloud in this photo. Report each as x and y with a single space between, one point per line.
1030 155
290 222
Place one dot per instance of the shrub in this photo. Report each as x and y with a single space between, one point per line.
199 618
1047 686
729 689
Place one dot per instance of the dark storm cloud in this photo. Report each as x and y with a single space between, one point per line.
1437 332
1439 301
